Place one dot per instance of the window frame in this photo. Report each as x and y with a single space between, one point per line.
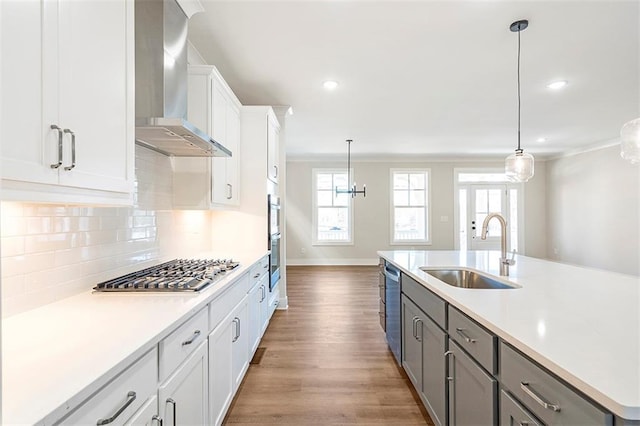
314 203
427 241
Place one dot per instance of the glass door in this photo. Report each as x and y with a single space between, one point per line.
480 192
485 199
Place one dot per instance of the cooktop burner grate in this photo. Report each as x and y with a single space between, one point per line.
174 276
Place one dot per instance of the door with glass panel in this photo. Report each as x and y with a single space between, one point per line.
480 201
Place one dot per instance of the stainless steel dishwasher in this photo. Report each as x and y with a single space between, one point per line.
393 321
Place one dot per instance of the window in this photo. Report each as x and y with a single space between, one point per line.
410 206
333 215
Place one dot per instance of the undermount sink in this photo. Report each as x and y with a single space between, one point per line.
466 278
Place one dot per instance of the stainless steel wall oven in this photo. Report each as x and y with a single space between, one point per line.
274 238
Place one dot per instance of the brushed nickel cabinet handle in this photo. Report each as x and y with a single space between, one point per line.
418 338
131 396
256 275
193 337
451 380
230 191
73 150
156 418
526 387
464 335
175 409
276 169
236 334
59 130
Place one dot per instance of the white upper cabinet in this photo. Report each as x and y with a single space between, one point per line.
210 182
67 103
273 143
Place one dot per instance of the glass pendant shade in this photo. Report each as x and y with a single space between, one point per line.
518 167
630 145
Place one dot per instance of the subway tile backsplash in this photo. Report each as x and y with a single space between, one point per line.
50 252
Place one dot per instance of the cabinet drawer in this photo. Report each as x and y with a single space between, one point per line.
431 304
259 269
546 396
473 338
178 345
220 307
121 398
512 413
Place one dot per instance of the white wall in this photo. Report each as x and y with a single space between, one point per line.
593 212
371 220
50 252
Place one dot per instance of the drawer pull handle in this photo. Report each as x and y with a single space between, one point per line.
526 387
464 335
256 275
131 396
156 418
193 337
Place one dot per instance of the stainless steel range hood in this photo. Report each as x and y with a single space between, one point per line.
161 84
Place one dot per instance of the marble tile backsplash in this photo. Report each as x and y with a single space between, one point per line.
50 252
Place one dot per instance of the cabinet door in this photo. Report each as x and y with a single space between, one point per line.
240 347
147 415
434 342
273 134
514 414
264 304
183 397
254 325
472 392
411 342
233 163
96 92
220 374
29 145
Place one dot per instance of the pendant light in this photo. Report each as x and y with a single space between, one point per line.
518 167
630 141
353 189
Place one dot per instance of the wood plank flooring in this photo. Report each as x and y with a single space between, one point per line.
326 360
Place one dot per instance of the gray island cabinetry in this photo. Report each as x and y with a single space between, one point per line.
423 346
468 372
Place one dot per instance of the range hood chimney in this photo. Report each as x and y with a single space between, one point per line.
161 84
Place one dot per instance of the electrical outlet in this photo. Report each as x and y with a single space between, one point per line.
303 250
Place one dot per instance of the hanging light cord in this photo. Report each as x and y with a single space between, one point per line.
519 149
349 166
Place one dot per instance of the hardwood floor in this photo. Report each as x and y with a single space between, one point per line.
326 360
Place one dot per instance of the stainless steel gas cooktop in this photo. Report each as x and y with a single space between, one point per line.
174 276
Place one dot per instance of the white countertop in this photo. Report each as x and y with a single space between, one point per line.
582 324
56 356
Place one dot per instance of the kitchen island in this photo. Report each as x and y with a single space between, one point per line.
581 324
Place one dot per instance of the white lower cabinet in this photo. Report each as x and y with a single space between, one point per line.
122 397
182 398
187 379
228 360
258 311
147 415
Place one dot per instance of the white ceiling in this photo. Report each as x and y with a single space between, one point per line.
430 77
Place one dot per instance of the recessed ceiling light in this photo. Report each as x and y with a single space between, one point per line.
555 85
330 84
541 140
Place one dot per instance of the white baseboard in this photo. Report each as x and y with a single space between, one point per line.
332 262
283 303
